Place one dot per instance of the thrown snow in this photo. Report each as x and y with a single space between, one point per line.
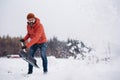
60 69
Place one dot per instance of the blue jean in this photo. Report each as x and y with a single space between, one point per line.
42 48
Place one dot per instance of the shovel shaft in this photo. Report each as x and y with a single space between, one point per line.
22 44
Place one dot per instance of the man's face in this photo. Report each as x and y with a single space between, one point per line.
31 21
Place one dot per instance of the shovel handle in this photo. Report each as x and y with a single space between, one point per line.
22 44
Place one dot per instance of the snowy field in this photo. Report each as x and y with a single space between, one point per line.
61 69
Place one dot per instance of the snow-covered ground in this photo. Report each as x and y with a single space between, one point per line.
61 69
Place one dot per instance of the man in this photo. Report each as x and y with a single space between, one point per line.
35 32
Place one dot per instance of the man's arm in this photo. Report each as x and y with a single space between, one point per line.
37 36
26 37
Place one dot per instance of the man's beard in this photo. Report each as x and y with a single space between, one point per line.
31 24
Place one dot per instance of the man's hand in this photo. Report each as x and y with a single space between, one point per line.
24 47
21 40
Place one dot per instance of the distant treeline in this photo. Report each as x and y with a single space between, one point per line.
60 49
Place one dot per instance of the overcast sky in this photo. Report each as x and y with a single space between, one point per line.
88 20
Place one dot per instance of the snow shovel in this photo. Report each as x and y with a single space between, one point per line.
27 57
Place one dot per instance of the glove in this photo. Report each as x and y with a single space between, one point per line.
21 40
24 47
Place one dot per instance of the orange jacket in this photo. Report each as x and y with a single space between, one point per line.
35 33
